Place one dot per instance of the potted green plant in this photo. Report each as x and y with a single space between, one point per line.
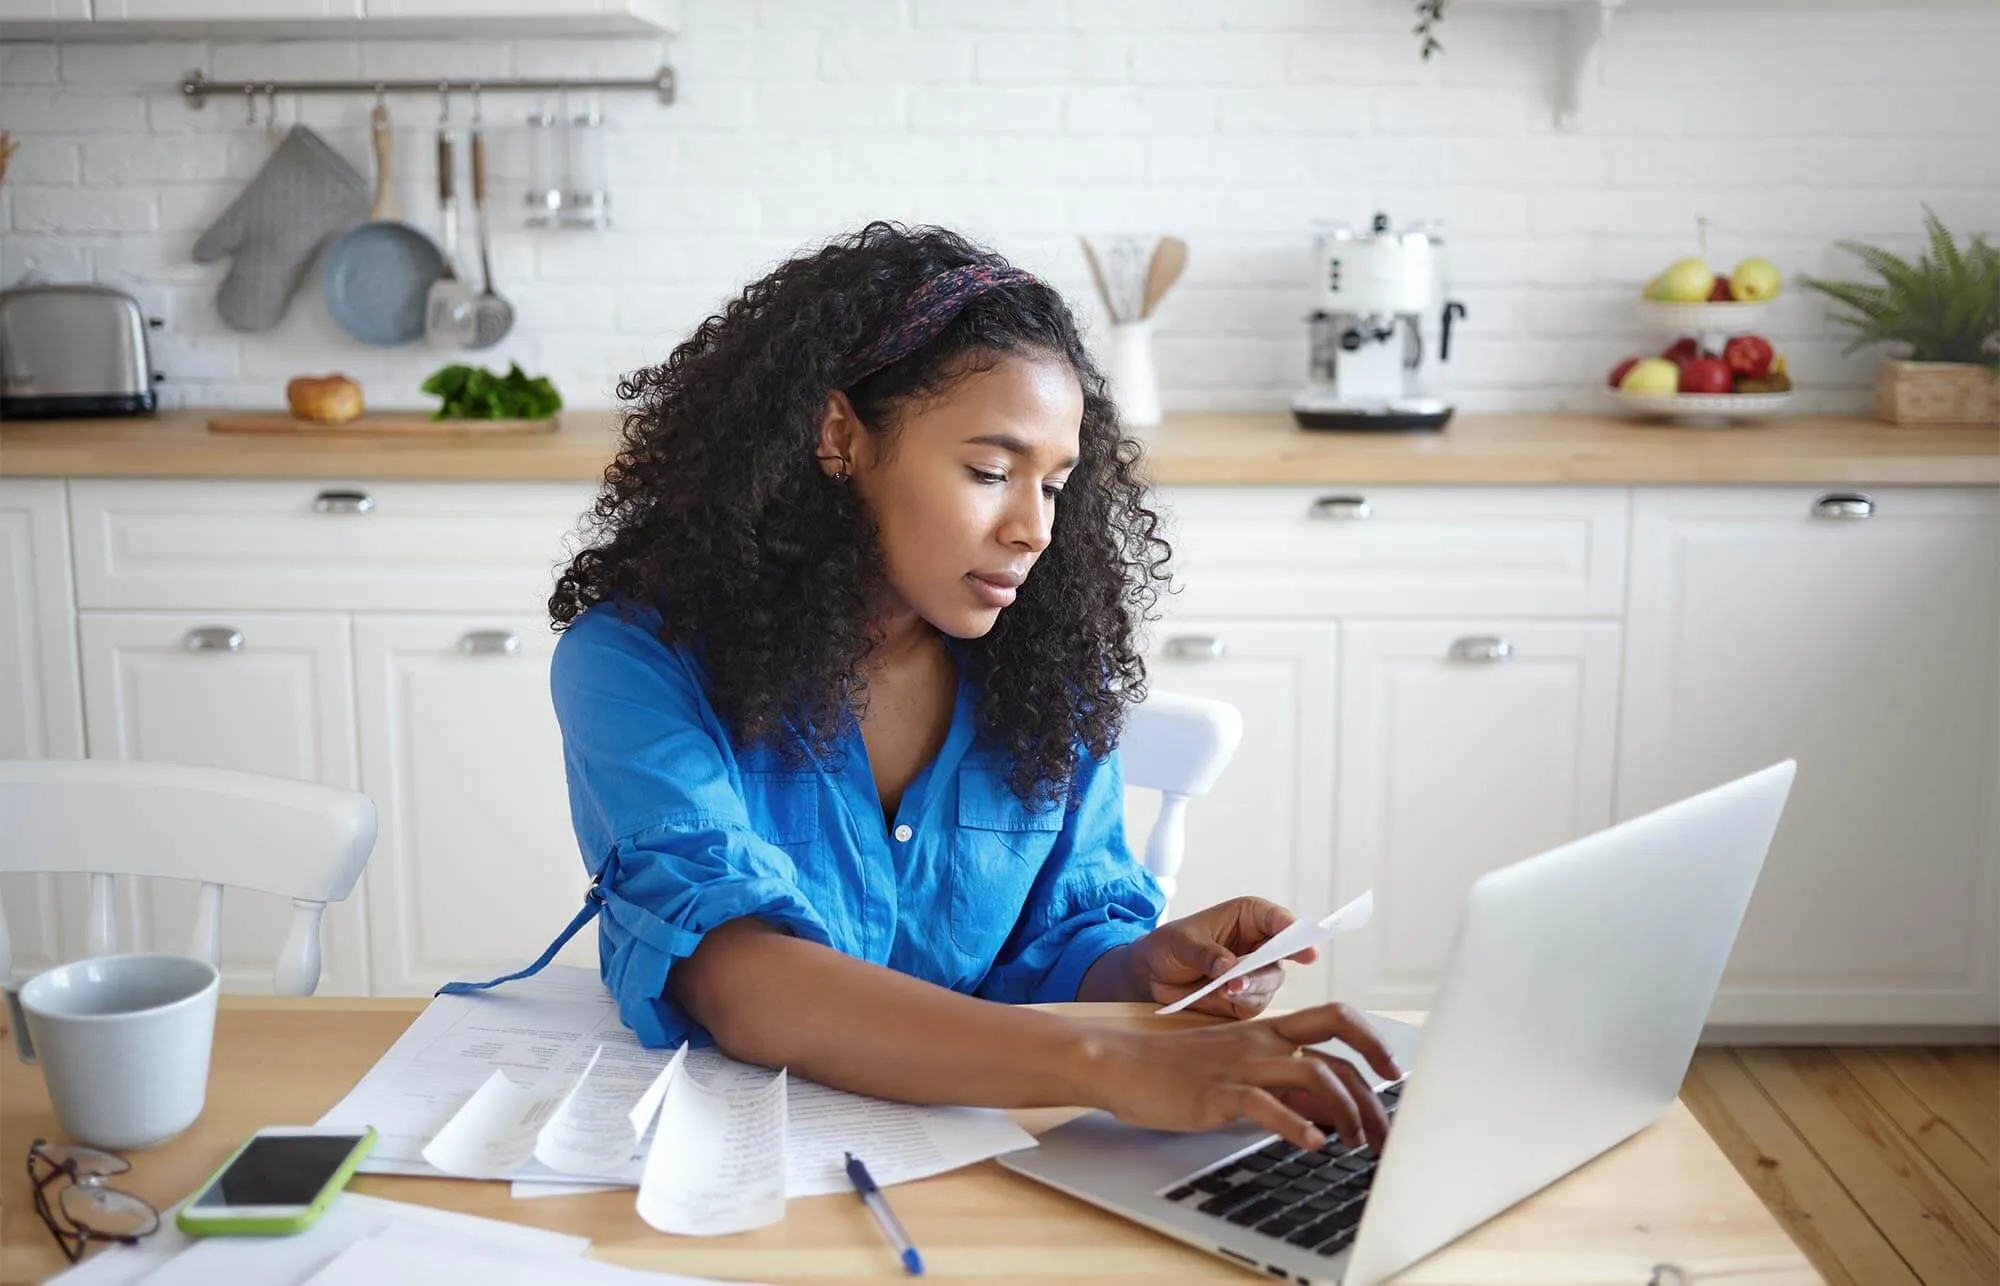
1942 314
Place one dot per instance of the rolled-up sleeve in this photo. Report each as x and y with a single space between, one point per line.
1090 896
659 818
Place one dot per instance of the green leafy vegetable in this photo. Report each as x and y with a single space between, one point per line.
475 393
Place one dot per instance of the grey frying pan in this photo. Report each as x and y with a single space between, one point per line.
376 277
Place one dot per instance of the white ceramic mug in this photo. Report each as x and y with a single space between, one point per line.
123 1042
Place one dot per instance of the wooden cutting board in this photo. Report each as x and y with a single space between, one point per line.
380 423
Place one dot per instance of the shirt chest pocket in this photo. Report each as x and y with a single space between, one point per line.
999 849
783 808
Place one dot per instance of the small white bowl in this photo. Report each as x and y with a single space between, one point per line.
1701 408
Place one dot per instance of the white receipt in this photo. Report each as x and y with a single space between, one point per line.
1290 940
717 1164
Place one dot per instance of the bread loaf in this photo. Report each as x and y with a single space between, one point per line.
334 399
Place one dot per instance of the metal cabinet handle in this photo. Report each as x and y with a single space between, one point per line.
343 502
1195 647
213 638
1483 648
1843 504
490 643
1348 507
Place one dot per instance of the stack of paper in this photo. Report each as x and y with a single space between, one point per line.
171 1258
540 1082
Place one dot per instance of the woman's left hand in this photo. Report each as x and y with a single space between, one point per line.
1182 955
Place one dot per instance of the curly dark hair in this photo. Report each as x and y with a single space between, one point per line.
716 511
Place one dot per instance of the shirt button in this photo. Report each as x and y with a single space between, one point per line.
903 834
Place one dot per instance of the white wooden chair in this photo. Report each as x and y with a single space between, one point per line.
1177 745
105 818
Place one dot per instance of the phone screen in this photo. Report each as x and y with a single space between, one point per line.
279 1170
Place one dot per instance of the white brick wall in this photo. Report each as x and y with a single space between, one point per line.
1232 122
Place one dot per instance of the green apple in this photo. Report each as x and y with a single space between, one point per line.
1755 279
1686 281
1652 375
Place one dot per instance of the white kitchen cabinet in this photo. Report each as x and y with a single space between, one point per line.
475 866
1464 746
24 10
655 12
221 10
303 19
1266 828
1301 552
346 545
1860 636
41 700
258 692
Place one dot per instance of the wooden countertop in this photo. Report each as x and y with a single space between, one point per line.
1238 448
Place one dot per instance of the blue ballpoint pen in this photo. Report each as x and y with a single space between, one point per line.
871 1196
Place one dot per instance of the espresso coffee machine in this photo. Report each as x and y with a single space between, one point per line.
1381 327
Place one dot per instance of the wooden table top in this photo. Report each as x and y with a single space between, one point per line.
1666 1194
1204 449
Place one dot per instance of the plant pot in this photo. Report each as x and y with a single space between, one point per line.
1936 393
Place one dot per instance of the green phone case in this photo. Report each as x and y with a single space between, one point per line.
198 1225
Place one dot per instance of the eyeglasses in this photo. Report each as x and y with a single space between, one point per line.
84 1209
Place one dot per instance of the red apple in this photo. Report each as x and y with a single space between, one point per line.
1618 371
1684 350
1706 375
1748 355
1721 291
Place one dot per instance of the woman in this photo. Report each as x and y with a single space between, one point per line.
842 673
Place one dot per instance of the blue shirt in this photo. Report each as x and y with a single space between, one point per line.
986 895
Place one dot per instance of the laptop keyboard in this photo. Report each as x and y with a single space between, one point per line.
1312 1200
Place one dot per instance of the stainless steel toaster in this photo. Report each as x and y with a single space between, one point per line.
72 350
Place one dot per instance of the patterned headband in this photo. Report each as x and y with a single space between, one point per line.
928 310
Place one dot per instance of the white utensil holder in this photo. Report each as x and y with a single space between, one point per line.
1135 382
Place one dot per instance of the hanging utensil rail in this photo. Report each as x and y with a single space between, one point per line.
196 87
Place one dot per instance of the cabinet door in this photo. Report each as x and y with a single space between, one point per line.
1266 828
189 10
23 10
1463 747
476 868
1862 638
485 8
269 693
41 703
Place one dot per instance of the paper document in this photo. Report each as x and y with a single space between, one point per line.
724 1169
1290 940
382 1261
539 1082
351 1218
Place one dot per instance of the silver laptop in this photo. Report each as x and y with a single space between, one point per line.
1575 992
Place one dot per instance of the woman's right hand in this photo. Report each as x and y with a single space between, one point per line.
1258 1071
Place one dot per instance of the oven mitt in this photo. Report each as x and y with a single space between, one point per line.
306 193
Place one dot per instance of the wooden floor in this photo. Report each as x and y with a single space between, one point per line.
1884 1163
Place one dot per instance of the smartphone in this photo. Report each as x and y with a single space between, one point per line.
278 1183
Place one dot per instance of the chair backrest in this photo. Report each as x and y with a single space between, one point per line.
105 818
1177 745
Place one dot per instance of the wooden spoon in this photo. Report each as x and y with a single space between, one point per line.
386 206
1169 261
